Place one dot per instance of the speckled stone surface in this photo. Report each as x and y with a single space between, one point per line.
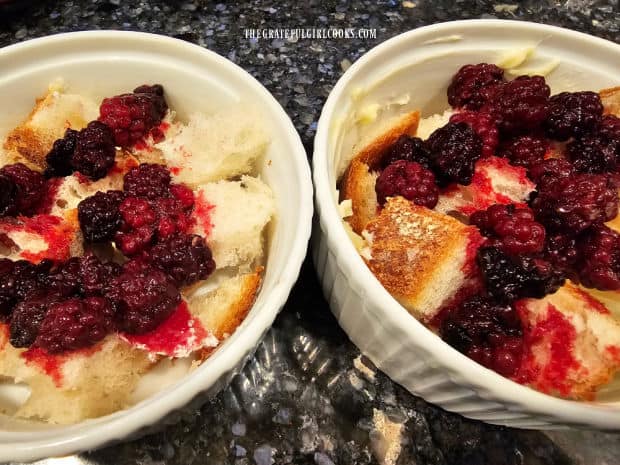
307 397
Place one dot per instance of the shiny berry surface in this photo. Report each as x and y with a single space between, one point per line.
8 195
143 300
409 149
455 148
132 116
487 332
147 180
99 215
409 180
546 172
513 229
94 151
483 125
573 204
75 323
26 320
59 158
186 258
524 150
572 114
27 189
521 105
471 85
510 278
599 265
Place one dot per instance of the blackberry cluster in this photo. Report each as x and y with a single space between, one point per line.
143 300
597 151
99 215
148 180
408 149
520 106
483 125
410 180
74 323
525 150
455 148
511 278
473 85
573 204
186 258
572 114
23 190
132 116
513 229
90 151
599 264
485 331
546 172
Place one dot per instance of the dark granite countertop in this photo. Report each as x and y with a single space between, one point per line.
307 397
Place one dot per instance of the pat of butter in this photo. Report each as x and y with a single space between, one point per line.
514 58
368 114
542 70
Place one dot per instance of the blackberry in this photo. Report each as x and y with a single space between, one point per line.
96 275
149 181
510 278
28 190
65 278
8 196
488 332
599 264
573 204
143 300
132 116
74 324
21 280
472 85
597 151
455 148
26 320
561 251
408 149
186 258
99 215
524 151
546 172
513 229
59 158
483 125
94 151
521 105
572 114
410 180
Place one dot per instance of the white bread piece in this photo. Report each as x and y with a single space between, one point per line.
42 237
421 257
223 309
495 180
358 182
210 148
569 322
90 383
75 188
238 214
30 142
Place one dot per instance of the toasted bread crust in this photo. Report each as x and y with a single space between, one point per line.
358 181
358 185
611 101
410 248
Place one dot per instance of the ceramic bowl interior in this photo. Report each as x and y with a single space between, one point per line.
107 63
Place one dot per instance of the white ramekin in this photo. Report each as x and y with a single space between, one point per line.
107 63
420 64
